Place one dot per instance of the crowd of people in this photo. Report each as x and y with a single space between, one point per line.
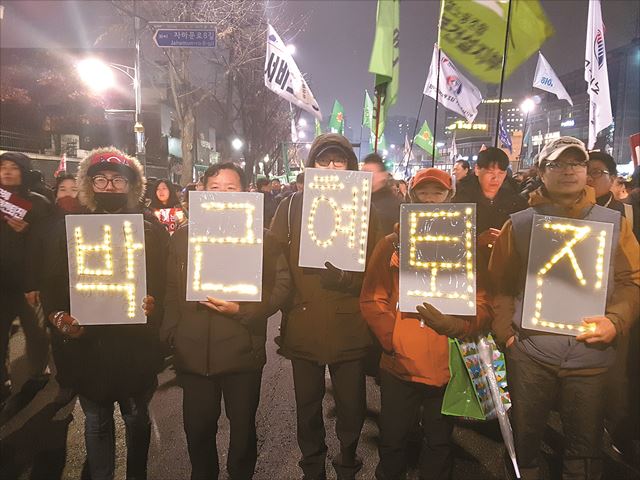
346 322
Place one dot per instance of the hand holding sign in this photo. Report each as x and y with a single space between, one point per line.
447 325
222 306
599 330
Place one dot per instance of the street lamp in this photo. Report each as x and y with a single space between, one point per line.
527 106
98 75
236 143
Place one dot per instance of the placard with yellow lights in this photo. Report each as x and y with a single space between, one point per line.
107 269
567 274
437 257
335 219
225 246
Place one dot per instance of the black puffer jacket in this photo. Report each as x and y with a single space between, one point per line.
13 245
210 343
108 361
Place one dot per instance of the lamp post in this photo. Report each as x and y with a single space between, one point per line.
526 106
98 75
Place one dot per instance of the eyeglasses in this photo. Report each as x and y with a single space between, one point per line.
597 173
557 166
101 182
324 161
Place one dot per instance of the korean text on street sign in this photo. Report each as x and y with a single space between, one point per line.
166 38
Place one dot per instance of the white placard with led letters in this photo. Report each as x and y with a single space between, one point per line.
107 269
225 246
335 219
567 274
437 257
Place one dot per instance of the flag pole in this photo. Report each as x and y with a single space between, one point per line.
361 126
413 137
504 65
378 95
435 120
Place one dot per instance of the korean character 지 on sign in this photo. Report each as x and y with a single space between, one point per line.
568 258
437 257
107 269
225 246
335 219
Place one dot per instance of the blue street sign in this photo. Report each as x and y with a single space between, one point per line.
185 38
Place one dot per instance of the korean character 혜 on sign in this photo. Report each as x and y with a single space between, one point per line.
107 269
568 258
225 246
335 219
437 257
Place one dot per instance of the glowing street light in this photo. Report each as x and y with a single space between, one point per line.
527 105
291 48
96 74
237 144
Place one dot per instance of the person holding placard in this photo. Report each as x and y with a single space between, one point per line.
105 363
219 347
414 369
21 209
166 206
545 365
323 328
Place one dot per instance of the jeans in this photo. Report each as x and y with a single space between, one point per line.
99 436
534 387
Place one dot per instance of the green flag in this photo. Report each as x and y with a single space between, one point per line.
336 123
385 58
472 34
382 143
318 128
367 112
424 139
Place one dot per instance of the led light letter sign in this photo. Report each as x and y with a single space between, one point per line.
107 270
437 250
225 246
335 219
568 262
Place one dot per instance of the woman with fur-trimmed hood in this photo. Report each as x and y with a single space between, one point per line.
111 363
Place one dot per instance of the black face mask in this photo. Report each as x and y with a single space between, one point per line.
111 202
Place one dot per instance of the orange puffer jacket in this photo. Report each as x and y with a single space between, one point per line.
411 352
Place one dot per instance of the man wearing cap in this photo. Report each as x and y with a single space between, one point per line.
323 328
113 363
495 200
15 176
415 360
545 366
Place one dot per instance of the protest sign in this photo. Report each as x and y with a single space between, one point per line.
568 258
225 246
107 269
171 218
12 205
437 257
335 219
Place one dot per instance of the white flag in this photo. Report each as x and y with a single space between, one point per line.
282 76
453 152
595 74
455 92
408 153
547 80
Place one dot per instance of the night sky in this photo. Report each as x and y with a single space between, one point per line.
334 49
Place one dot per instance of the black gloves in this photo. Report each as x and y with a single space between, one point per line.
335 279
448 325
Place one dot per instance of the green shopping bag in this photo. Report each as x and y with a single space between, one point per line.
460 397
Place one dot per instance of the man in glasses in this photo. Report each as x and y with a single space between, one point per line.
545 366
106 364
602 171
323 327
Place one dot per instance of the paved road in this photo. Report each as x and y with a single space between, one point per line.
478 446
